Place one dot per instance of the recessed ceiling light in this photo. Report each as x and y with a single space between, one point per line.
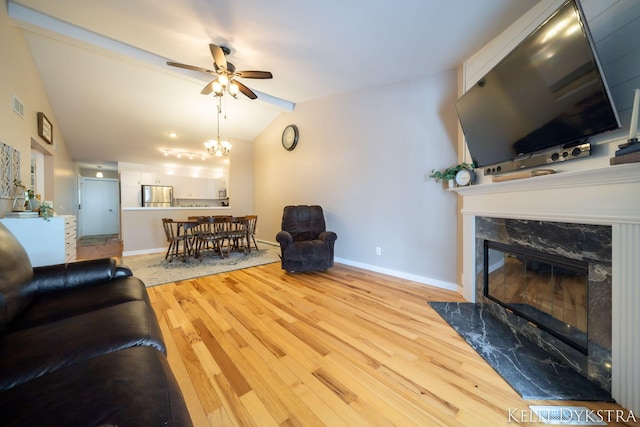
172 134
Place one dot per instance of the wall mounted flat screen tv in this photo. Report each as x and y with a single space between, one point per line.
549 91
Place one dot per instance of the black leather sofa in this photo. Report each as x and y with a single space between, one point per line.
80 345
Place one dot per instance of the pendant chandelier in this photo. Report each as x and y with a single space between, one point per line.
217 147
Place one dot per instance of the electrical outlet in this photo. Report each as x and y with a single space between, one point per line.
378 250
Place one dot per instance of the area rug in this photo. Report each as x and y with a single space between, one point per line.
154 270
530 370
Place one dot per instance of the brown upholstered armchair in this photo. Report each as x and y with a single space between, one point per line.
304 242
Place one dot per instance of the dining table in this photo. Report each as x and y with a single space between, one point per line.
236 232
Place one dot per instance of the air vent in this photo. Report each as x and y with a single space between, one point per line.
568 415
17 106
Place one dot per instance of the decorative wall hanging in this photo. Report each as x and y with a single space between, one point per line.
9 169
45 128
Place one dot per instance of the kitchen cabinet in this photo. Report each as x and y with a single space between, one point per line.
191 188
130 179
215 187
131 183
152 178
184 187
130 189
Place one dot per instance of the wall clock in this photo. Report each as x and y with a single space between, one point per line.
290 137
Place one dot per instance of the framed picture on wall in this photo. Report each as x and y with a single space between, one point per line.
45 128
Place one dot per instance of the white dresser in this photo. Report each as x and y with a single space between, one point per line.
46 242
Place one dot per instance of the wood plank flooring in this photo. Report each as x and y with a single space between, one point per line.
347 347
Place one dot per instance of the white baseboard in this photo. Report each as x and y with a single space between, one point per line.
144 251
395 273
402 275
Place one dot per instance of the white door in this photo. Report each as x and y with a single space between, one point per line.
99 207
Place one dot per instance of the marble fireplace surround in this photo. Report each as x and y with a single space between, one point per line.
587 243
606 196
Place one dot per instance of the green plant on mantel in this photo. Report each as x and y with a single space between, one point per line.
450 173
46 211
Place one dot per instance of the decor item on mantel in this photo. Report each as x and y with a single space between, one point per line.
629 152
449 175
523 174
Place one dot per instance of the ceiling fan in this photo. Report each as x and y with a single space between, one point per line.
226 74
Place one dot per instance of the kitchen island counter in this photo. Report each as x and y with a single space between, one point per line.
177 208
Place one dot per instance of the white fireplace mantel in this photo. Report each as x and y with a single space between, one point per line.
602 196
606 196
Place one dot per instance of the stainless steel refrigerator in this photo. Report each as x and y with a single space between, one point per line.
157 196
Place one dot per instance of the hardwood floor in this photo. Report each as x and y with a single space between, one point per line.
346 347
111 247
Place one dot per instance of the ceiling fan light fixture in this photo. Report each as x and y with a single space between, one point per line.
217 88
223 80
233 89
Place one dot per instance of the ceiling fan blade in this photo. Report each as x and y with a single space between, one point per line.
255 74
190 67
245 90
218 56
208 88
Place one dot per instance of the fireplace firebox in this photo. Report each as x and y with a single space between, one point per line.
548 290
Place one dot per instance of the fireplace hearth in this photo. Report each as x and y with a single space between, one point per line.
522 363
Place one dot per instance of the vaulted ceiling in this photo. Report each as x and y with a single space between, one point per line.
103 63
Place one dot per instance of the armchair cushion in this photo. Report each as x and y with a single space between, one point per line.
309 249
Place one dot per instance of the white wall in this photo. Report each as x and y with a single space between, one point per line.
365 157
613 25
19 76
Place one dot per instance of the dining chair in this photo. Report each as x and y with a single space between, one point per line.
252 221
175 238
237 234
210 236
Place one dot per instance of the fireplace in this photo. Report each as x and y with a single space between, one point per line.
598 195
551 282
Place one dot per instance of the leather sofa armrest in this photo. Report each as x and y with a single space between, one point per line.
53 278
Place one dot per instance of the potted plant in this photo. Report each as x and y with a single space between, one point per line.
46 211
449 173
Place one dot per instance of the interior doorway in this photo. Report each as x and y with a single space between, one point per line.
99 207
